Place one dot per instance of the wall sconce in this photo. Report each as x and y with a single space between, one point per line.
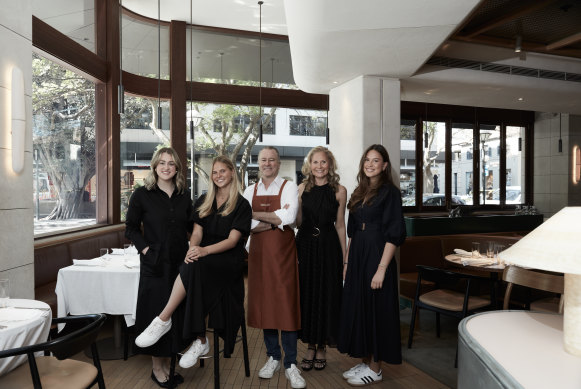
18 120
576 165
518 44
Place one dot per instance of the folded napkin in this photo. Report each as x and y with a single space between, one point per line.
117 252
89 262
16 314
482 261
465 253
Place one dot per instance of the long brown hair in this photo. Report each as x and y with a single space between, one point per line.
178 180
332 176
206 207
365 192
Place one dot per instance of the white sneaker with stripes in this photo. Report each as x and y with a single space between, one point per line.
353 371
365 376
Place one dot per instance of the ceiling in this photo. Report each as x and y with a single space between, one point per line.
334 41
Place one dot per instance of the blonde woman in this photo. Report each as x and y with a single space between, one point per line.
211 278
320 248
164 208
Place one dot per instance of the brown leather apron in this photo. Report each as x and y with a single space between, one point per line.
273 276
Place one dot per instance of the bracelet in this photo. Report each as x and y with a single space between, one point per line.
345 263
381 265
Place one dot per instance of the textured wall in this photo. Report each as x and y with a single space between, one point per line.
16 217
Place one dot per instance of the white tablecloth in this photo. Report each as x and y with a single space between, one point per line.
110 289
22 327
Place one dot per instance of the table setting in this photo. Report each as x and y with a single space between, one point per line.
22 322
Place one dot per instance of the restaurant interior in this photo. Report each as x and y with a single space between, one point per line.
478 103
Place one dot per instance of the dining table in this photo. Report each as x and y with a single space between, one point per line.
481 266
106 284
23 322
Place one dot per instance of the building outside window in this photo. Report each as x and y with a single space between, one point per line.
307 125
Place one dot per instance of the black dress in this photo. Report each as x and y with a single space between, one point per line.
215 283
320 266
369 324
166 224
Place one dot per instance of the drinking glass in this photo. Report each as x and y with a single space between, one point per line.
475 249
4 292
490 249
497 250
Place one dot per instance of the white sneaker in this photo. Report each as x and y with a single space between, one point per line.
196 350
294 376
269 368
365 376
353 371
154 331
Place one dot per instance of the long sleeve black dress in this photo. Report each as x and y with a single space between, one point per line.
166 224
369 323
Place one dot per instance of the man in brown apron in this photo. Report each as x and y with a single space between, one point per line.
273 283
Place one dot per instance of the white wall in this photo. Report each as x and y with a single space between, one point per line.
551 168
16 213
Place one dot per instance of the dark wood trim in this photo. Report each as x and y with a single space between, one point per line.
113 119
101 29
177 39
77 234
57 44
469 114
564 42
221 30
101 121
146 86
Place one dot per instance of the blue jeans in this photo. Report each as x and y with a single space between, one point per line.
289 345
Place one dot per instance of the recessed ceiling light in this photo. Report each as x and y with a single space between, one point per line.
335 82
520 99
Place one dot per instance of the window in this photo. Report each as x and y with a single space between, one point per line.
489 139
239 123
407 168
63 107
434 162
463 142
307 125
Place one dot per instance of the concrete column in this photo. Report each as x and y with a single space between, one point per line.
16 214
362 112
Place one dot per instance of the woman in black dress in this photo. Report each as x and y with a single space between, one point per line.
165 210
320 248
211 278
369 326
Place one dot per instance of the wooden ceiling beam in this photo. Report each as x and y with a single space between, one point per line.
499 21
526 46
564 42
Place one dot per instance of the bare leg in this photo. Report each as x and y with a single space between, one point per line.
375 366
178 293
158 369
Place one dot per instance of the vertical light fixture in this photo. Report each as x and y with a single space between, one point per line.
426 145
260 72
560 139
159 122
518 44
18 120
221 67
120 88
327 136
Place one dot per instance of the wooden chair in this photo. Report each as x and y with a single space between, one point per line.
550 282
451 296
59 371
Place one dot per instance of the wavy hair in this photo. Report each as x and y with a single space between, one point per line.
178 180
205 208
332 176
365 191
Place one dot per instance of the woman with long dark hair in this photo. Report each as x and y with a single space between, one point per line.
320 248
164 209
369 325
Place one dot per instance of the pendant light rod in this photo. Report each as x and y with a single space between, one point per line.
560 139
260 71
159 123
192 144
120 88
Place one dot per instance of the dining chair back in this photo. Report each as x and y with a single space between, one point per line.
531 278
451 296
59 371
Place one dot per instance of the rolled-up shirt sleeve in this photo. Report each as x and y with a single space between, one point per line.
248 195
290 196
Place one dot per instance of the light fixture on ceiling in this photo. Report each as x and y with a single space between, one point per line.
120 88
327 129
426 145
18 124
272 72
159 122
260 72
221 67
521 99
518 44
560 139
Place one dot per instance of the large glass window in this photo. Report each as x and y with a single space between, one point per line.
462 164
75 19
307 125
515 162
407 168
434 163
63 109
489 164
140 138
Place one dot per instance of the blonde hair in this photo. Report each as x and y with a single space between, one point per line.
205 208
178 180
332 176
